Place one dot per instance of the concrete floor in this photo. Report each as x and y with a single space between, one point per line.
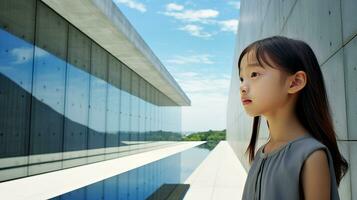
219 176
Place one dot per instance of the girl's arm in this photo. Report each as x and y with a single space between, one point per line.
316 176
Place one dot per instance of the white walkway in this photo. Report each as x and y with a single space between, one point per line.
219 176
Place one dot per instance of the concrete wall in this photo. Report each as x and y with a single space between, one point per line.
330 28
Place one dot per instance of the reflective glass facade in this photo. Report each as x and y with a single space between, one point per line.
65 101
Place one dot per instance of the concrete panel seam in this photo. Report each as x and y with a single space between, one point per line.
349 40
265 14
287 17
336 51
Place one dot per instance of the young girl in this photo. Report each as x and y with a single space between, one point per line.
282 81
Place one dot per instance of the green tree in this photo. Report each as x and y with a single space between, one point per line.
212 137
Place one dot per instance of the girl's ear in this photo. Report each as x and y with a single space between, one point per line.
297 82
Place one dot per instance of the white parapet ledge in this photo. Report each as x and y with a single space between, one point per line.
104 23
53 184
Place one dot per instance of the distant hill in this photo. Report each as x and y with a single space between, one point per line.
212 137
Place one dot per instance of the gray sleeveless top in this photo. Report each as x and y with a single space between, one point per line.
275 175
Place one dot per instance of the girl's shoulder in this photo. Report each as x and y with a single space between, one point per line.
302 149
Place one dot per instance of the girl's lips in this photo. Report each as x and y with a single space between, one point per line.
245 102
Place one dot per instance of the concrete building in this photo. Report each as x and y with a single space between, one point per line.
330 28
79 87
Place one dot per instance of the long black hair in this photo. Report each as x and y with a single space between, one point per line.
312 107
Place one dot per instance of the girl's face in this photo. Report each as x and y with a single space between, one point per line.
265 87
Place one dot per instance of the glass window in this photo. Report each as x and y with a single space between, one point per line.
140 182
17 24
134 125
123 186
98 95
79 194
95 191
77 93
48 83
146 176
111 188
133 184
156 115
148 113
125 106
113 102
152 117
18 18
142 109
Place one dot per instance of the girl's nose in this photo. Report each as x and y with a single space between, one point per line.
243 89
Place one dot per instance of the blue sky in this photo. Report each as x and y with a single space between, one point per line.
195 40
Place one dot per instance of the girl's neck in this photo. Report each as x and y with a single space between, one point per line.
284 127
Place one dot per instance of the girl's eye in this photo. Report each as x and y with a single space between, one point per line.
254 73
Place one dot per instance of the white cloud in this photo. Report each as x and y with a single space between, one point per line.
174 7
203 83
24 54
229 25
188 74
132 4
195 30
203 15
191 59
208 94
235 4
